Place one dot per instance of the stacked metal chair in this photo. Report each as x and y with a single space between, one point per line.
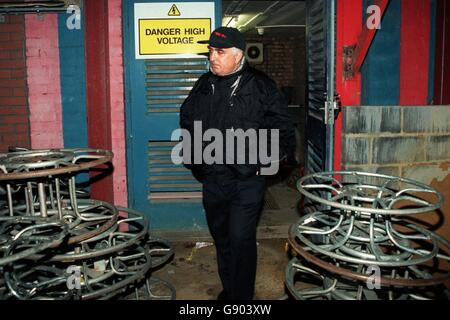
57 243
360 240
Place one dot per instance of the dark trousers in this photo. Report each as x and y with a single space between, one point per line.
232 211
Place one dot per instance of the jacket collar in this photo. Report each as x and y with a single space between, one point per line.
215 78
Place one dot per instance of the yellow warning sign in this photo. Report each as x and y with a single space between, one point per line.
173 36
174 11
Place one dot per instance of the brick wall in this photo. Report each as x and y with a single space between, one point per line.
117 102
14 114
43 79
284 61
411 142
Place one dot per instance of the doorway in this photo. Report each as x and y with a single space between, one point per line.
293 42
276 44
276 33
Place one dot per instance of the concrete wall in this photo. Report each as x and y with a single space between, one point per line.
410 141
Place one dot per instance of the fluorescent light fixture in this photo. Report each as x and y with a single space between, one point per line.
230 21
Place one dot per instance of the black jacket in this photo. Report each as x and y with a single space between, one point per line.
255 103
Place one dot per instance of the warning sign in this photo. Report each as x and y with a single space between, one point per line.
172 30
174 11
171 36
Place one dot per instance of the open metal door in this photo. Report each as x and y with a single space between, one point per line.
320 104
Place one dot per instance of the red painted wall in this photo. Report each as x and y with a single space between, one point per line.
349 27
414 51
14 123
98 92
442 62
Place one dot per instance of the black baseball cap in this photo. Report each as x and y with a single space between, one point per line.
226 37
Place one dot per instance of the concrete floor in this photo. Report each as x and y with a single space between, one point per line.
193 270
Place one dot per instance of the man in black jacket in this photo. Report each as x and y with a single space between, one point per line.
234 98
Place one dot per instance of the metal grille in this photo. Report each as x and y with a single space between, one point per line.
169 81
167 178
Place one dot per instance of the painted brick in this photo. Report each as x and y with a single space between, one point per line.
19 92
426 174
117 106
116 72
45 107
371 119
44 117
6 92
44 126
11 27
14 45
21 110
355 151
4 55
17 54
6 110
426 119
16 36
13 110
5 37
398 150
117 101
11 64
6 128
18 74
15 19
41 74
12 83
5 74
13 119
13 101
33 52
438 148
22 128
43 81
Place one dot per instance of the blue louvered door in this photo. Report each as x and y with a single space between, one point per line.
154 92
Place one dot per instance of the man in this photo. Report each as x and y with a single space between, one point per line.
233 96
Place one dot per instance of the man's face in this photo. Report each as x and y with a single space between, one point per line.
223 61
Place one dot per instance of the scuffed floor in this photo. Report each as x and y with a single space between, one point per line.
193 271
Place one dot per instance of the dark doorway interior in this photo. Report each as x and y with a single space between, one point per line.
275 35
